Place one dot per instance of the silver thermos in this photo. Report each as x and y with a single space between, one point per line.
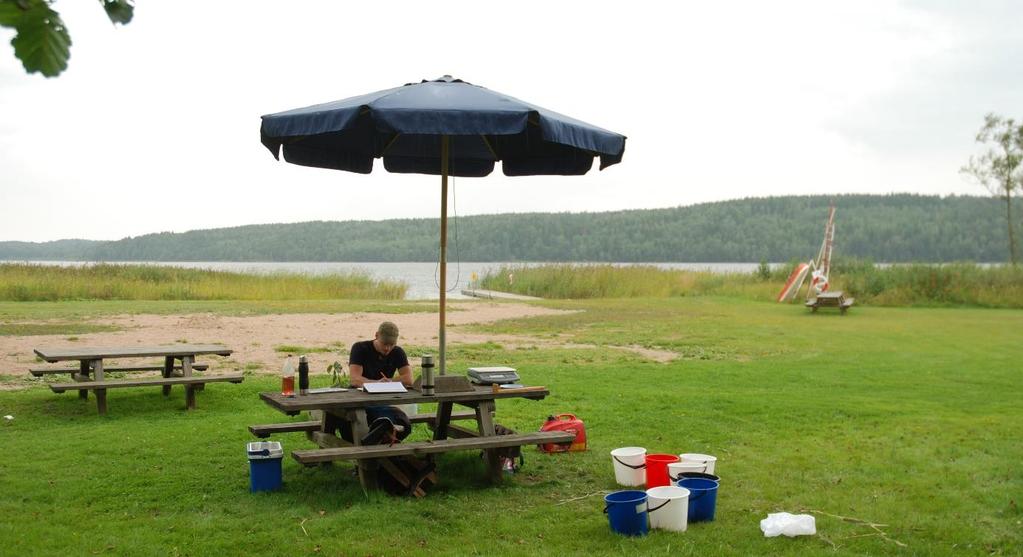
426 386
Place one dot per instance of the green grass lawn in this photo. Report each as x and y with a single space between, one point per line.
905 417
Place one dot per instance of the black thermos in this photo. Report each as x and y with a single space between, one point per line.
303 375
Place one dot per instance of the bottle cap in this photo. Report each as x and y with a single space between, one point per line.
302 359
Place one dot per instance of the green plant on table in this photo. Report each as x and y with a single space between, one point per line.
338 374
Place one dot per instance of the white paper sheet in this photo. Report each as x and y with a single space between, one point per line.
393 387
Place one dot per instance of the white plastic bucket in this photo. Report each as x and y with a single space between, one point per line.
668 507
701 458
630 465
675 469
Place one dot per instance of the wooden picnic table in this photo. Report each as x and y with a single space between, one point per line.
351 405
831 299
90 373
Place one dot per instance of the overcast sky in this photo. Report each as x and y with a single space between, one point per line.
155 125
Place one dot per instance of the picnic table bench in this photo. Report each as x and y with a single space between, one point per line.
266 430
835 299
351 405
90 373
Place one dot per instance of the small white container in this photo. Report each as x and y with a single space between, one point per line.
630 466
706 459
668 507
675 469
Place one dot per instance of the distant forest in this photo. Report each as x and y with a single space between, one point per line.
883 228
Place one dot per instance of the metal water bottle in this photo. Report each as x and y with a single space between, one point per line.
303 375
426 386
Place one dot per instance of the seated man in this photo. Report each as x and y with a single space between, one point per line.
378 360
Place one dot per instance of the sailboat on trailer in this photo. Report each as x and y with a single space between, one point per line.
818 269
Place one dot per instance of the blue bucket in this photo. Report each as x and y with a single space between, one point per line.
265 465
626 512
703 497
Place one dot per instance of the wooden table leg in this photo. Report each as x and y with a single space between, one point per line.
400 476
367 468
101 394
168 370
83 370
186 371
485 420
440 430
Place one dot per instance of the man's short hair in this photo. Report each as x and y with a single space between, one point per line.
387 332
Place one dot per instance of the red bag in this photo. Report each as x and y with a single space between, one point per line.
565 422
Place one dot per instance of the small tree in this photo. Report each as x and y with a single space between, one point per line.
41 40
1000 167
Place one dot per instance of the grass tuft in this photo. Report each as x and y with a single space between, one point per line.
23 282
958 284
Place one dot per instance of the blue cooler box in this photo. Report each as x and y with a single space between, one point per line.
265 465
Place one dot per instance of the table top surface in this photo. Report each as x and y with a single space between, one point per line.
56 354
831 294
354 398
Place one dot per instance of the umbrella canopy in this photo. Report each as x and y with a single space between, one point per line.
446 127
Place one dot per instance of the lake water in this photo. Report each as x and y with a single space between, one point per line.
422 278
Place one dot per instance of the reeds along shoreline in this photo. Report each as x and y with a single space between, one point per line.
956 284
29 282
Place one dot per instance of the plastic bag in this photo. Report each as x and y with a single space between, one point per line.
788 524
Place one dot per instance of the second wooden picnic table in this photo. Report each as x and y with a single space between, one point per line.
89 375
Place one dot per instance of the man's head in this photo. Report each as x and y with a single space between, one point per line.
386 337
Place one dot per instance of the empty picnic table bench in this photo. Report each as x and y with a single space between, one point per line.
351 405
834 299
90 374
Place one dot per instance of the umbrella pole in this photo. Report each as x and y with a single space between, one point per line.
444 154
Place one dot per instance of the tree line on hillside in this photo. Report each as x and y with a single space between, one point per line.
888 228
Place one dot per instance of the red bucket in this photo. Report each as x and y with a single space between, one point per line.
657 469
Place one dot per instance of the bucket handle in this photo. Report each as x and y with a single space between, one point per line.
674 479
681 476
608 505
570 416
649 510
701 492
627 465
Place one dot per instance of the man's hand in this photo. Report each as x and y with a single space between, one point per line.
383 379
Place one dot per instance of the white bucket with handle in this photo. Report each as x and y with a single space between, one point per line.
705 459
675 469
668 507
630 465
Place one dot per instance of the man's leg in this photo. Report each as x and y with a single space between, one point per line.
387 424
333 423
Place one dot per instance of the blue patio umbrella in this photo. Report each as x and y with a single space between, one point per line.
446 127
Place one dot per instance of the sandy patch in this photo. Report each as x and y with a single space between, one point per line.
253 338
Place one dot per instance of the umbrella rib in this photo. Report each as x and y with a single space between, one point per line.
489 147
389 143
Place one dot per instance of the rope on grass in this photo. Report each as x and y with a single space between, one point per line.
876 526
563 501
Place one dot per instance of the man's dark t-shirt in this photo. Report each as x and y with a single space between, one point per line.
374 364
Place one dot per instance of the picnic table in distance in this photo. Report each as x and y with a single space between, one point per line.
90 373
833 299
